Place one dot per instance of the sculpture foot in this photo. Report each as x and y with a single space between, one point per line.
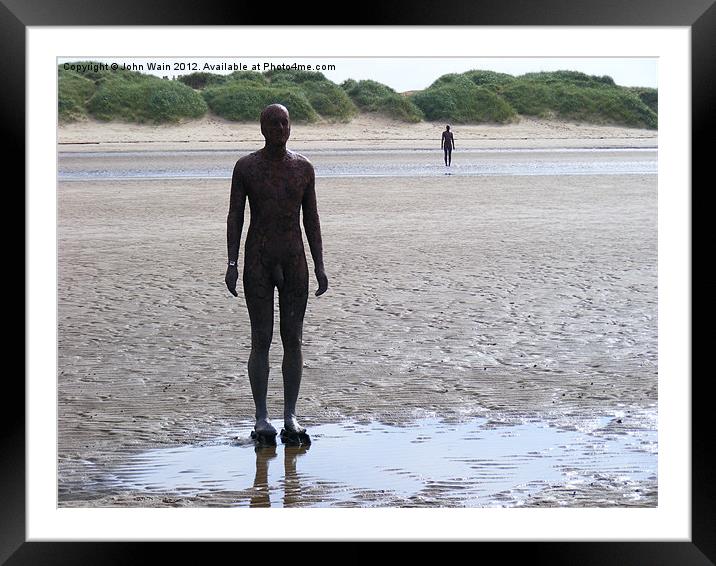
263 438
295 438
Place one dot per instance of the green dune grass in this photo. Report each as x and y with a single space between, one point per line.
472 97
239 96
327 98
485 96
149 100
578 97
457 98
126 96
74 90
372 96
241 102
648 96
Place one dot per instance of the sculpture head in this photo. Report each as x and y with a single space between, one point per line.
275 124
447 128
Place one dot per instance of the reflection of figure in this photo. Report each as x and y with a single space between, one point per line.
261 498
279 184
291 485
447 143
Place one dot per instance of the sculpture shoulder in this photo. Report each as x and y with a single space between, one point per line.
246 161
255 165
300 161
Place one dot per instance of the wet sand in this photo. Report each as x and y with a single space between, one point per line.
511 298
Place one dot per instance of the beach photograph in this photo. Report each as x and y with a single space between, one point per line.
487 335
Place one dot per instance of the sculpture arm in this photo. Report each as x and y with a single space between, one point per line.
234 226
312 226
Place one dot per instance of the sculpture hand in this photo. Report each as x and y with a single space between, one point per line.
232 276
322 282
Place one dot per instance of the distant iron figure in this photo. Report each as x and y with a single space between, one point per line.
279 184
447 144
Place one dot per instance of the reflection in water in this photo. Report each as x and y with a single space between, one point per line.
291 484
430 463
260 498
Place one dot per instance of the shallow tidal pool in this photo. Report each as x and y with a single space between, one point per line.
475 463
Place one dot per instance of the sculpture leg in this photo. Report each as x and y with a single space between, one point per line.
292 297
261 315
292 307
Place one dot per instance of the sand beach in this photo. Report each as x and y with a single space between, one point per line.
519 290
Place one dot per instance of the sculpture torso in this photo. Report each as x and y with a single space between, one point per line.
274 253
448 139
275 189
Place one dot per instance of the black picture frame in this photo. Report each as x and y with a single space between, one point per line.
699 15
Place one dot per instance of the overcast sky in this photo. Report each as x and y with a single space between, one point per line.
417 73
